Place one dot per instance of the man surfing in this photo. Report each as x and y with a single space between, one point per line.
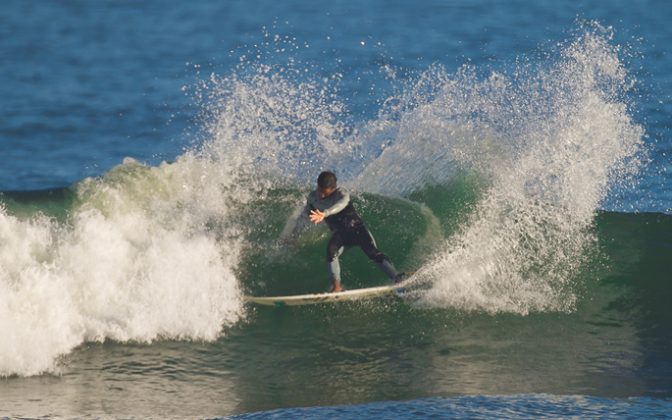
332 205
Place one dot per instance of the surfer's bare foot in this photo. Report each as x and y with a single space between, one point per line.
335 287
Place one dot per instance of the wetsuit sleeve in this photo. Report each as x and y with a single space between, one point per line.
340 204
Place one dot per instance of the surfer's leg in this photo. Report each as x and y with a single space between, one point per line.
334 250
368 245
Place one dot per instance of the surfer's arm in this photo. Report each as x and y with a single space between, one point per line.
341 203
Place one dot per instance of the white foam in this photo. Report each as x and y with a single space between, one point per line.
134 262
549 140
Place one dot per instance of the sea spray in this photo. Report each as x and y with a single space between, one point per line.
550 144
548 140
272 126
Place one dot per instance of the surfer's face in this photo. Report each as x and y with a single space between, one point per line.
325 192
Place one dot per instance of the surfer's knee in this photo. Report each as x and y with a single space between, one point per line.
373 253
333 252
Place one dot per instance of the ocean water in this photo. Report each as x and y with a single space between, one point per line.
514 155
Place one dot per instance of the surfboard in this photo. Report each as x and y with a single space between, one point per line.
314 298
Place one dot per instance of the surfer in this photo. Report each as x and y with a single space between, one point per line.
332 205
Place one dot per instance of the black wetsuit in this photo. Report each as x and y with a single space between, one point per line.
348 230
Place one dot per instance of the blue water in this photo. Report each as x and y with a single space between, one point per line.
509 407
86 84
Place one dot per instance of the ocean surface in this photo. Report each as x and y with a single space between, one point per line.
514 155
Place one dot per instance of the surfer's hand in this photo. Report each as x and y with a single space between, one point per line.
316 216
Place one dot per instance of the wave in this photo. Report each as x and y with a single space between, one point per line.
146 253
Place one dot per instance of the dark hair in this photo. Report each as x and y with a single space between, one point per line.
326 180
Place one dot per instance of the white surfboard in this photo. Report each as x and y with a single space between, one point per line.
313 298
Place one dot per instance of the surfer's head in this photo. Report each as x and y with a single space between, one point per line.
326 184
